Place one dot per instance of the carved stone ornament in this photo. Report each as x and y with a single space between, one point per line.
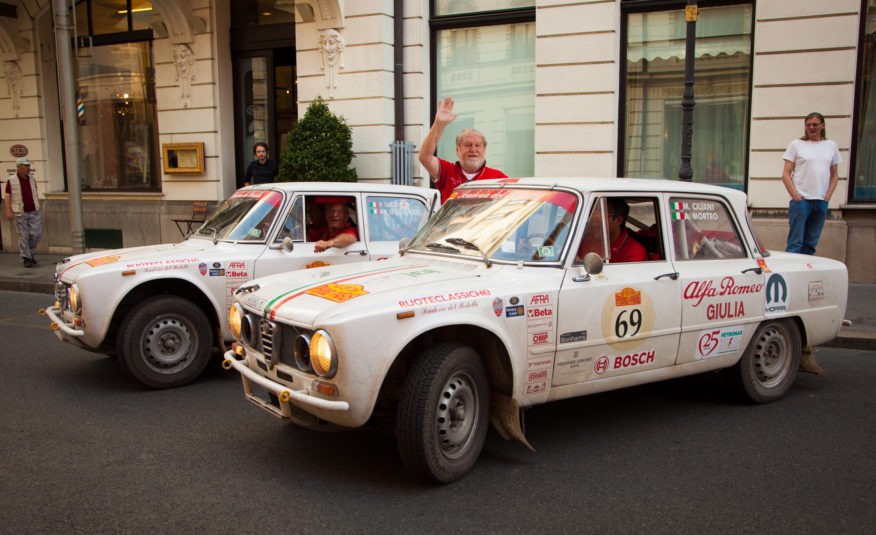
13 80
331 47
184 59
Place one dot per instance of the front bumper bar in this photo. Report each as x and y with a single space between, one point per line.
58 323
283 393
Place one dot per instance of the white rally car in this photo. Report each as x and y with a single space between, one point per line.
523 291
162 308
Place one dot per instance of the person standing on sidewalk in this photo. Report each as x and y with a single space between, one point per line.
23 207
470 148
261 170
810 176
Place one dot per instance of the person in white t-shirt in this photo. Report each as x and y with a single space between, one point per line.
810 176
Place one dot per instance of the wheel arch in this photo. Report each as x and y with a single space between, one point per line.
165 286
490 348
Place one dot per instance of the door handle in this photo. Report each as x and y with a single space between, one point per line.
360 252
757 270
673 276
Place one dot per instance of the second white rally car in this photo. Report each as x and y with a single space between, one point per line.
523 291
162 308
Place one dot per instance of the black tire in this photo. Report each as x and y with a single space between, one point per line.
165 342
769 365
443 413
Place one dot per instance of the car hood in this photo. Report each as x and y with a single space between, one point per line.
166 255
300 297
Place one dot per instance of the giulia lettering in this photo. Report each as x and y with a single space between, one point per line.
715 311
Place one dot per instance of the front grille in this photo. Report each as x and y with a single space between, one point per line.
267 332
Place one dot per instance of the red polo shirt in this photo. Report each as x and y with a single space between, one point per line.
450 176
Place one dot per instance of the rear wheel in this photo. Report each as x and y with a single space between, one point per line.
769 366
443 413
165 342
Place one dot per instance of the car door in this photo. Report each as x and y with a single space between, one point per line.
722 285
627 318
302 213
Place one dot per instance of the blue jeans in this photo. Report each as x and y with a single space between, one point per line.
805 219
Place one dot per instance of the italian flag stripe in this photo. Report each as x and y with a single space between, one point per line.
677 215
678 206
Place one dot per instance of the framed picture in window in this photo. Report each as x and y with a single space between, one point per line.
183 158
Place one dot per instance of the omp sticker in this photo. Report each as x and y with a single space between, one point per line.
627 318
816 291
94 262
776 294
717 342
338 292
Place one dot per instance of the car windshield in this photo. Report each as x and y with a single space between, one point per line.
245 216
501 224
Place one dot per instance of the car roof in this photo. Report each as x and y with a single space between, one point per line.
598 184
343 187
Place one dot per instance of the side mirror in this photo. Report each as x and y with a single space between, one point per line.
288 244
593 263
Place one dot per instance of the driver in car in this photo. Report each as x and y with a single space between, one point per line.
624 248
338 231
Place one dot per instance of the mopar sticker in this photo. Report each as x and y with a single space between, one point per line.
776 294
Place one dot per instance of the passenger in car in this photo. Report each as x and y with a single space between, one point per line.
338 231
624 248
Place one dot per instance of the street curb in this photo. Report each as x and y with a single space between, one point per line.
853 340
35 287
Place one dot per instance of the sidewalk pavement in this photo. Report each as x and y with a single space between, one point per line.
861 308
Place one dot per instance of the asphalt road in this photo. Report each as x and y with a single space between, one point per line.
85 449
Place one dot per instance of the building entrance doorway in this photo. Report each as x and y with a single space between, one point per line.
265 101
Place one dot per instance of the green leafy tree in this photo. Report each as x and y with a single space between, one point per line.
319 148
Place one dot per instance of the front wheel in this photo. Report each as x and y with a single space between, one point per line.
769 366
443 413
165 342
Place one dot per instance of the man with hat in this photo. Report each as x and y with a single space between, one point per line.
23 207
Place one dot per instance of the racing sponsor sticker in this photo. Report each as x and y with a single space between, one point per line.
540 310
338 292
94 262
816 291
575 336
627 318
717 342
202 268
619 362
514 311
497 306
776 294
574 361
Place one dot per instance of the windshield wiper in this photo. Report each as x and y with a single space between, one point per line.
469 245
442 247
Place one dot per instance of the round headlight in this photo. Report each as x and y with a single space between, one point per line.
235 319
322 354
75 300
301 350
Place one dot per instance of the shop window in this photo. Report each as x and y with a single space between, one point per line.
485 61
653 83
863 174
116 132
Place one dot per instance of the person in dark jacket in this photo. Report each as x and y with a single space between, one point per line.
261 170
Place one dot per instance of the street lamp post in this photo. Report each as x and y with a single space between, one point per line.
687 100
